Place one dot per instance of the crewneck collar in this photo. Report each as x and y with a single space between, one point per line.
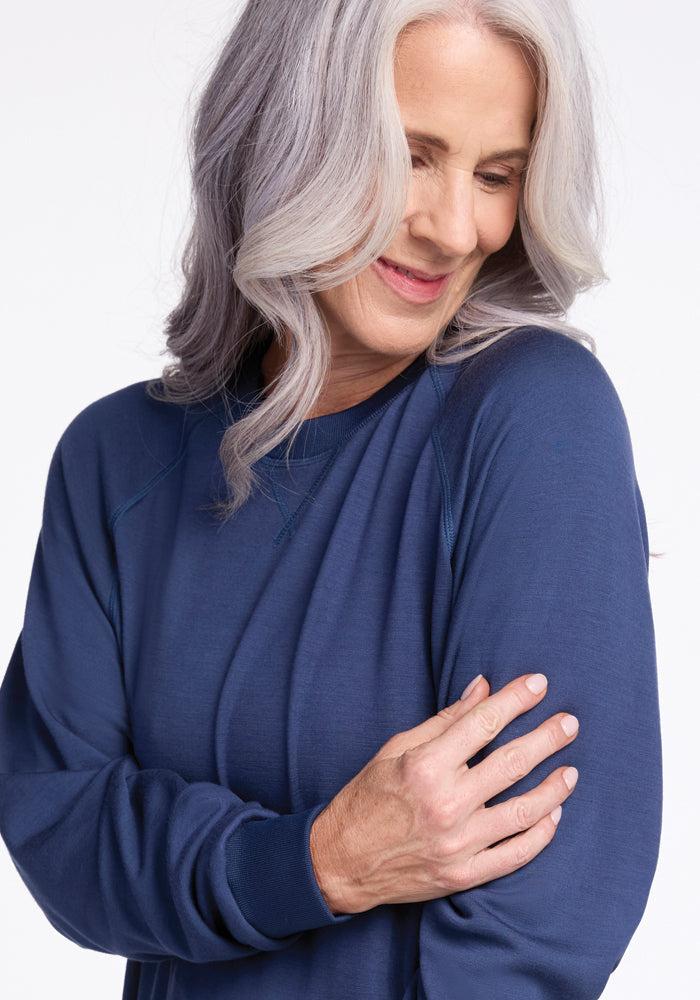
320 434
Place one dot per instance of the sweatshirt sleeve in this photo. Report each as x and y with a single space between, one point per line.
549 557
137 862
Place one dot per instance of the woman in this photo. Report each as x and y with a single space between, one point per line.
372 485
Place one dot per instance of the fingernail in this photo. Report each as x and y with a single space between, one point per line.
536 683
570 777
555 816
470 687
570 725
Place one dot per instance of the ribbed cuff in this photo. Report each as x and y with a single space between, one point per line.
269 871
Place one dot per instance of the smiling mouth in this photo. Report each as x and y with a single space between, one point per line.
417 287
410 273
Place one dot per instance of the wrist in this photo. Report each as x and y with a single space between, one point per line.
330 865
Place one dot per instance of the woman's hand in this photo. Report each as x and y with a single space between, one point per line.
412 825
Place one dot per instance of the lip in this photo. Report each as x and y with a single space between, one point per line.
418 287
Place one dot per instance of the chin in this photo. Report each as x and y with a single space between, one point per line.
401 340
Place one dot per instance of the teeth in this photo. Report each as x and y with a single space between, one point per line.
409 274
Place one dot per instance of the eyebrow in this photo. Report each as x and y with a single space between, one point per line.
437 143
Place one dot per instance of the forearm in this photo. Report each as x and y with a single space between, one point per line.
125 860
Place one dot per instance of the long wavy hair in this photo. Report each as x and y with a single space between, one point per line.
300 173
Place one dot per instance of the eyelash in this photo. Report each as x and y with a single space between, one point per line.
489 180
496 180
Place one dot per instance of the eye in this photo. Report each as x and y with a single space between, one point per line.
493 181
420 156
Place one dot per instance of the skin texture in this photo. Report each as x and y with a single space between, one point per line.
412 825
474 93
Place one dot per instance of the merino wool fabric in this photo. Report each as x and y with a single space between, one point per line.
190 691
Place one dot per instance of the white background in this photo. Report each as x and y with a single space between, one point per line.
94 197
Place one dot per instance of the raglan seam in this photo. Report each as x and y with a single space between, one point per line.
446 491
447 517
128 505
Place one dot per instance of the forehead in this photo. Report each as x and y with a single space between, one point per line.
464 84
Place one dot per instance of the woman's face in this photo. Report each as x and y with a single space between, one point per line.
467 102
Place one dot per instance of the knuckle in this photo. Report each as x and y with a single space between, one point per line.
522 852
555 736
515 763
446 849
522 814
418 767
442 814
488 722
522 696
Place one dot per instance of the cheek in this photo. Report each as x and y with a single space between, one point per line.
346 305
497 224
339 299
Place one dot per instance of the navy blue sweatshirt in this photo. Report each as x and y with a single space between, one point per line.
189 692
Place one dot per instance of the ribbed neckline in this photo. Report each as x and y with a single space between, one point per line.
320 434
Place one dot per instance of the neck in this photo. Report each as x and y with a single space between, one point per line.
351 380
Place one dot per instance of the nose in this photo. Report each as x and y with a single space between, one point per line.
442 213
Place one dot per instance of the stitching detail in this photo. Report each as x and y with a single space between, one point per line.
447 520
144 491
334 448
279 498
288 529
437 384
128 505
447 516
112 603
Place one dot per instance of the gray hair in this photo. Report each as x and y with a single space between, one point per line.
300 177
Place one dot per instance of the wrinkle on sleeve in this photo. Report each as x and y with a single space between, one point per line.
121 859
550 575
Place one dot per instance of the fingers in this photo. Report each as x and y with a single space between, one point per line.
413 825
513 761
514 832
508 856
524 812
473 694
436 725
472 731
